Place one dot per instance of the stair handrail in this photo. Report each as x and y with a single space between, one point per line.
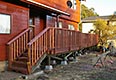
18 45
39 45
39 35
11 41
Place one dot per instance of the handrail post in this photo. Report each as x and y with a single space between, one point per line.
33 29
29 53
10 56
29 59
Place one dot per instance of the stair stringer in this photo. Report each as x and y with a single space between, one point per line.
38 63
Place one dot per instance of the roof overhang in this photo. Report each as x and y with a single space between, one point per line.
54 10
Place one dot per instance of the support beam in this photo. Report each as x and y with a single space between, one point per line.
57 58
68 55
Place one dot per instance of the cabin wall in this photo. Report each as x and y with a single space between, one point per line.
62 5
19 22
40 24
52 22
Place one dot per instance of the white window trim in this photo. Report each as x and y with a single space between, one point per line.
71 27
74 4
60 24
5 24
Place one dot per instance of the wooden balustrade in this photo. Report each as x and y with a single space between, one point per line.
66 40
50 41
70 40
57 40
18 45
40 45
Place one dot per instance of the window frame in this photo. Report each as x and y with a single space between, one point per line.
74 4
60 24
71 27
8 17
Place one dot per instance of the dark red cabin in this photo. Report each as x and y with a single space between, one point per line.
32 29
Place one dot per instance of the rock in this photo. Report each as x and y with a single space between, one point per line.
43 77
110 61
113 68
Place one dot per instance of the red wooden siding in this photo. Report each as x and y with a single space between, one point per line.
40 24
61 5
52 20
19 22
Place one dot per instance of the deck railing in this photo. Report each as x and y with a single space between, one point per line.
57 40
69 40
40 45
18 45
66 40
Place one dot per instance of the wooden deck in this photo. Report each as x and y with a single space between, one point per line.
50 41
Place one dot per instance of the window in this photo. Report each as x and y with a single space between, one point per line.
5 26
71 27
60 24
74 4
31 21
55 24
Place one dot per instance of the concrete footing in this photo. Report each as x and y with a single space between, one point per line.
86 53
80 54
48 67
54 62
3 66
76 59
64 63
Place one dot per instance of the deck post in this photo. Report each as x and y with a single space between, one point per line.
64 61
75 58
49 66
49 59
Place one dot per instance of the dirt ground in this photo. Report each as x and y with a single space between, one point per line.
81 70
84 70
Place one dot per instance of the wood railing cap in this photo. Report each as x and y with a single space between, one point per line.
18 36
39 35
31 25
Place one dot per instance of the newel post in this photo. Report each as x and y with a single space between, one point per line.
29 60
10 56
32 30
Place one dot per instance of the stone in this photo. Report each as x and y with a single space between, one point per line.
3 66
64 63
48 67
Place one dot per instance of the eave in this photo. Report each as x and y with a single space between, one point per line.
46 7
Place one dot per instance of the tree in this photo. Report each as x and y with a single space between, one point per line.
104 31
86 12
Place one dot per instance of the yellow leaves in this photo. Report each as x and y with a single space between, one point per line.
104 31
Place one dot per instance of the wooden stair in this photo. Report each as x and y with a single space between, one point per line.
20 64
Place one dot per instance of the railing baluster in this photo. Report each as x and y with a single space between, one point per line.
17 48
14 50
37 49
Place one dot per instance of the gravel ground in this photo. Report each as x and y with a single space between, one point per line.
7 75
84 70
81 70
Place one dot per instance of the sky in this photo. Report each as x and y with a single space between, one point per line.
102 7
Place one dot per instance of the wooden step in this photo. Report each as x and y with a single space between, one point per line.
19 64
23 59
19 69
24 55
